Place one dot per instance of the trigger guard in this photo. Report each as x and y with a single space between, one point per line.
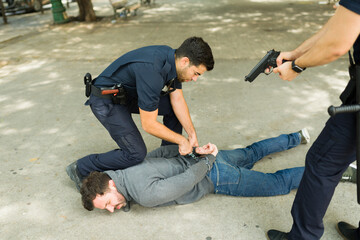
271 70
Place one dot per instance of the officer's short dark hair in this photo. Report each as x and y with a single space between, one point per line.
198 52
96 183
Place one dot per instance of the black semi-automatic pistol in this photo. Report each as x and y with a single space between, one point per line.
268 61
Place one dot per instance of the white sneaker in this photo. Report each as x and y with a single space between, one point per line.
305 136
349 175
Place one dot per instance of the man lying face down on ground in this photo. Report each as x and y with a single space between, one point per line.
166 177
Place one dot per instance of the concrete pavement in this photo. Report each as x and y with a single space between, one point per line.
44 125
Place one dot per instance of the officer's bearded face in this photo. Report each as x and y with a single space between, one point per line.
189 72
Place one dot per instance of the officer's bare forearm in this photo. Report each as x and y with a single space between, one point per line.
152 126
309 43
161 131
332 41
181 111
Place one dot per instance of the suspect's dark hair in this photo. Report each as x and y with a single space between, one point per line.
96 183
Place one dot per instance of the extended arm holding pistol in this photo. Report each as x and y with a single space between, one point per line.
269 61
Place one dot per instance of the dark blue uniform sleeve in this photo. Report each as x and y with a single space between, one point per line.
352 5
148 85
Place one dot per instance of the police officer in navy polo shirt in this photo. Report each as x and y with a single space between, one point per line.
152 79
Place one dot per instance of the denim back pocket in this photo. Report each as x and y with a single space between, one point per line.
226 178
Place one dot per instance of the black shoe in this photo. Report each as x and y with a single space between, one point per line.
277 235
348 231
127 207
74 175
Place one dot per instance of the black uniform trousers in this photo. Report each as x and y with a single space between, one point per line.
326 160
117 120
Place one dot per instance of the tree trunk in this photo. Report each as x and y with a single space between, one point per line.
3 11
86 11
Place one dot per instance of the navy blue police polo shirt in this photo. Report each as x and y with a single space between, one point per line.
143 72
353 5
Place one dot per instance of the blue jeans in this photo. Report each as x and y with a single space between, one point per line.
232 174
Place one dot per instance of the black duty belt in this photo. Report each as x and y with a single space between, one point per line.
116 93
98 92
